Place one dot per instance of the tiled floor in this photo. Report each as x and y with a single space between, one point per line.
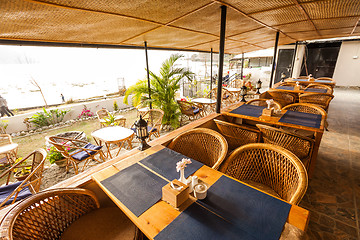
333 196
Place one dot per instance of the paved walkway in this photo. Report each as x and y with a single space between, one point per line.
333 196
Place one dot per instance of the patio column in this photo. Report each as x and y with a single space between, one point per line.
274 59
294 58
147 71
221 57
242 65
211 70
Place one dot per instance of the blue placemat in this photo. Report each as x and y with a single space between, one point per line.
323 81
300 80
285 87
198 223
303 119
164 163
249 110
316 90
136 187
260 215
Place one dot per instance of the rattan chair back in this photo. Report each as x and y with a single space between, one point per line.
262 102
269 165
33 179
306 108
154 118
46 215
5 139
187 109
201 144
102 113
227 97
300 145
328 88
237 135
282 97
319 99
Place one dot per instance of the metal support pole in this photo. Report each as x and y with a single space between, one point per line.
148 73
274 60
211 70
294 58
242 65
221 57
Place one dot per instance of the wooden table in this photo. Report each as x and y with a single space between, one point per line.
274 120
207 104
306 82
113 135
161 214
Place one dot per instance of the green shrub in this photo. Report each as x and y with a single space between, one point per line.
47 118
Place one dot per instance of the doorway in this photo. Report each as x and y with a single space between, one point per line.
284 63
321 59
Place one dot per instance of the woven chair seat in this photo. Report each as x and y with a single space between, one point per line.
48 215
103 223
269 165
82 155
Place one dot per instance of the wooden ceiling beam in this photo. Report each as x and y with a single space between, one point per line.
252 18
302 10
356 25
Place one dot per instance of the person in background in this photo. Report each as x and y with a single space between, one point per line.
62 97
4 108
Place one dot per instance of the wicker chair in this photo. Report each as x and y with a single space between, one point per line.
300 145
269 166
13 192
76 151
228 98
104 114
262 102
154 118
65 213
202 144
319 99
282 97
190 110
325 78
237 135
306 108
328 88
7 143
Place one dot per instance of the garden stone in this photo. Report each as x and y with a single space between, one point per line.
13 135
22 133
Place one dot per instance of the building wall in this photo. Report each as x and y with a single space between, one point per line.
347 70
16 123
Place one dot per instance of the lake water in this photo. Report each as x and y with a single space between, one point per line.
77 73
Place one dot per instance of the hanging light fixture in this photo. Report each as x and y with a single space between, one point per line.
141 129
258 86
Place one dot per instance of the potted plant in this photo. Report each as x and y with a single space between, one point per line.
56 157
23 171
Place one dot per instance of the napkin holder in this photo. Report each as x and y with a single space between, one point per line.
175 197
268 112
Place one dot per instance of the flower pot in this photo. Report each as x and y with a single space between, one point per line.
61 162
20 177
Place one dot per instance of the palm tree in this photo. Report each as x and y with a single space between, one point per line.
162 89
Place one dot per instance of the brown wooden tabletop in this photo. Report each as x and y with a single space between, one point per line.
161 214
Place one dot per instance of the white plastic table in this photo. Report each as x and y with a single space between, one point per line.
113 135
